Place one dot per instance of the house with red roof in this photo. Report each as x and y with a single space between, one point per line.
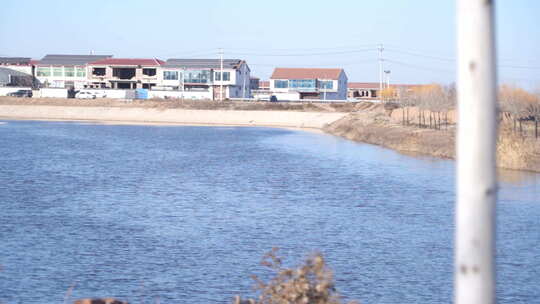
309 83
124 73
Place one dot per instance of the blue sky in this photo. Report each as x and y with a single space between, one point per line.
418 35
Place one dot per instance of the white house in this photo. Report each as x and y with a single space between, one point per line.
65 71
204 75
308 83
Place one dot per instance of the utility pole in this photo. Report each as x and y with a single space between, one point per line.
380 48
182 73
387 72
221 74
474 255
244 85
324 88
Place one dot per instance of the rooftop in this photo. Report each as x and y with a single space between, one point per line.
375 85
306 73
128 61
203 63
363 85
15 60
61 59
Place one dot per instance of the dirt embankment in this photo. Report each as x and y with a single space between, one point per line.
373 124
376 125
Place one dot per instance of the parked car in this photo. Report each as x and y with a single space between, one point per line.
100 94
85 95
21 93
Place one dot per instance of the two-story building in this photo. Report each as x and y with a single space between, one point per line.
124 73
65 71
308 83
206 75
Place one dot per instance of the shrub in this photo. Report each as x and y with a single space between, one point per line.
310 283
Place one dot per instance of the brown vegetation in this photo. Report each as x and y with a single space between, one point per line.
422 120
184 104
310 283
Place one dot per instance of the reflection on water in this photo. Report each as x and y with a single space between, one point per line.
185 214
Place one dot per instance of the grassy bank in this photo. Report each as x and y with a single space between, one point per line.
376 125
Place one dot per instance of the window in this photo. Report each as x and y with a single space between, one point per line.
58 71
81 72
170 75
281 84
226 76
149 72
44 71
69 71
197 76
98 71
304 84
326 84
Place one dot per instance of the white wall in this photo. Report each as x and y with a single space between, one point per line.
27 69
178 94
113 93
287 96
60 81
52 92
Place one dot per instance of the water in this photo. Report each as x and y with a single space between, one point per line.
184 214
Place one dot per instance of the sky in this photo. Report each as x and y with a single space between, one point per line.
418 36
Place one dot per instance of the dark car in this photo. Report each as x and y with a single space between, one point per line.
21 93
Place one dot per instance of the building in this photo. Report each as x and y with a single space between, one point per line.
14 78
65 71
264 85
363 90
371 90
307 83
20 64
124 73
204 75
254 83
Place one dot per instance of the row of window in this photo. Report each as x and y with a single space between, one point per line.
196 76
304 84
61 72
190 76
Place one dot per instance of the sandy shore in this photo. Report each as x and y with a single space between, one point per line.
117 115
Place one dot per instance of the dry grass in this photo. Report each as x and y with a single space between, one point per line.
185 104
515 150
310 283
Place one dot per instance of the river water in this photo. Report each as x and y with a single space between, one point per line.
185 214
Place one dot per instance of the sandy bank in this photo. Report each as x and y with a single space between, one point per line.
133 115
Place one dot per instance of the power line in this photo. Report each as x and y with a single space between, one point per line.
311 49
419 67
422 55
304 54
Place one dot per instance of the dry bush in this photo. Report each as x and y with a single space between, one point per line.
310 283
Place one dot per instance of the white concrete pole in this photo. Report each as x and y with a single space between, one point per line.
221 75
244 84
474 262
380 71
182 73
324 91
